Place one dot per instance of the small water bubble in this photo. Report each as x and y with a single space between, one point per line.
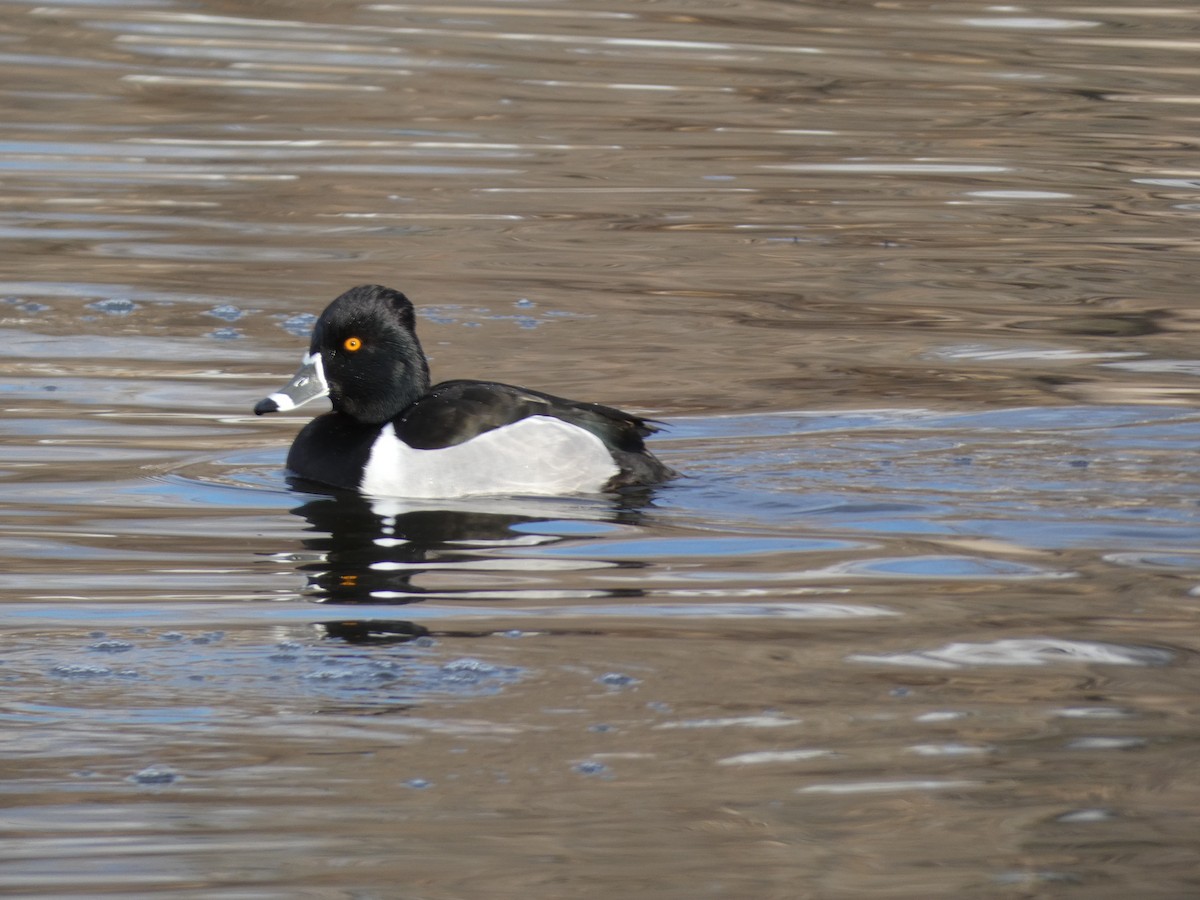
566 314
300 324
1106 743
471 665
381 674
77 670
468 673
1085 816
114 306
469 670
1034 878
616 680
154 775
939 716
420 784
171 637
524 303
591 767
948 749
111 646
225 334
226 311
600 728
1093 712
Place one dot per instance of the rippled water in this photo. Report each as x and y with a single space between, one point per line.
914 286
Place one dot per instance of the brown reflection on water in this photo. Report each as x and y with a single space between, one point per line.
478 165
915 288
625 766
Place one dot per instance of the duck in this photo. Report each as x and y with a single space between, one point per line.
391 433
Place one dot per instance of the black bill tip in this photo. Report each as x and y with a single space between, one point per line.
264 406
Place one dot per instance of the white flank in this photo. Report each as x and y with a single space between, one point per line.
537 455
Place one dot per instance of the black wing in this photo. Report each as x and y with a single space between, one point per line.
456 411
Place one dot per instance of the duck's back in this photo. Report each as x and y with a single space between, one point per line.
456 411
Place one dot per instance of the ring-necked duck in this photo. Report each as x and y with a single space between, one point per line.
391 434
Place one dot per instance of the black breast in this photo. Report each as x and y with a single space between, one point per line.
333 449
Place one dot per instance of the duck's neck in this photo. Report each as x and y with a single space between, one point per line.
411 385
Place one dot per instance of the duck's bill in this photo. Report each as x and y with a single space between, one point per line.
307 384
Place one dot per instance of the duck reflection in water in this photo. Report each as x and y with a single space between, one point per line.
383 551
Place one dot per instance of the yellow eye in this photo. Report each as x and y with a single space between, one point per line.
352 344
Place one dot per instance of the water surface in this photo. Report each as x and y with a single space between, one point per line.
914 287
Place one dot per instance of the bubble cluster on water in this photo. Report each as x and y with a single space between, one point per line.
179 662
30 307
617 680
591 767
300 324
81 670
154 775
111 646
226 312
114 306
